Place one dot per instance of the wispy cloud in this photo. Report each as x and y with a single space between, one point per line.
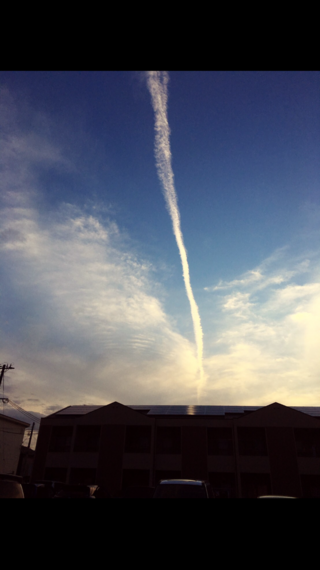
157 84
266 274
266 347
82 318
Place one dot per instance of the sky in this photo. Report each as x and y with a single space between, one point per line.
96 305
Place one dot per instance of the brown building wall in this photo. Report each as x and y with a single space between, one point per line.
285 479
114 465
194 453
110 457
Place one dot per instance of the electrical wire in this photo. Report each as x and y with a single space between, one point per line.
27 414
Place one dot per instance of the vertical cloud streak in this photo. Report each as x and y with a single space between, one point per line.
157 84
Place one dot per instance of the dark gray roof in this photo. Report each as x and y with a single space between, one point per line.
77 410
215 410
14 420
193 410
196 410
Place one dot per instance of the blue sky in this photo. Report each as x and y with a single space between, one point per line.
93 300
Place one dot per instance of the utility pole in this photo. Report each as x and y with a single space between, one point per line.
4 368
25 463
30 436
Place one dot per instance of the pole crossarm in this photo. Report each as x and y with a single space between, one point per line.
4 368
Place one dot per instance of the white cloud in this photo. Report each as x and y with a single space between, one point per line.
266 346
83 320
262 276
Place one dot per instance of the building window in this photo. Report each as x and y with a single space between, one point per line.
166 474
135 478
220 441
254 485
56 474
223 485
61 439
307 442
168 440
138 439
252 441
87 438
83 476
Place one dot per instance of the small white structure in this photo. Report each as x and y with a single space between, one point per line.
11 436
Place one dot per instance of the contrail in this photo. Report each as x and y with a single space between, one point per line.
157 84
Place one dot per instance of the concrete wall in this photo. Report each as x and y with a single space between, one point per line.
11 436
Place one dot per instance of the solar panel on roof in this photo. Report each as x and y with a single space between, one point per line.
311 411
191 410
180 410
214 410
78 410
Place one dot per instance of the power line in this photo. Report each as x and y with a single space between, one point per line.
28 414
21 410
4 368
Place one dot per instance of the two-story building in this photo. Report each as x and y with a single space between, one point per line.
244 451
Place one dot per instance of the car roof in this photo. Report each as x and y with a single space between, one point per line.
275 497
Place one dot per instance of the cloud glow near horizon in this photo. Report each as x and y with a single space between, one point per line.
93 305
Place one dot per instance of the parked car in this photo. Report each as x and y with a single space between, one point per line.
102 492
183 489
76 491
51 488
275 497
10 489
35 491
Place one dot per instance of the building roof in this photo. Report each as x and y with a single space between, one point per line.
196 410
13 420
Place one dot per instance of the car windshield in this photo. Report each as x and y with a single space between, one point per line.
173 491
